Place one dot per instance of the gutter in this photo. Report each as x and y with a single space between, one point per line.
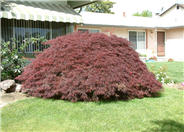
142 27
100 25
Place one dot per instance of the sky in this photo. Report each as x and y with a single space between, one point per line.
133 6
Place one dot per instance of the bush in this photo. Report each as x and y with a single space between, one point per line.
161 74
170 60
12 58
89 67
142 55
153 58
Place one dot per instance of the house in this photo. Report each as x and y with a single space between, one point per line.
49 19
161 36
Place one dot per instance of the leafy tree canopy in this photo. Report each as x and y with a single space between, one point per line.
100 7
145 13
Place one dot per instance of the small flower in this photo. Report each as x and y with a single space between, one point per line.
16 56
1 68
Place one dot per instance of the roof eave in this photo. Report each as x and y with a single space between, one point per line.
142 27
170 8
147 27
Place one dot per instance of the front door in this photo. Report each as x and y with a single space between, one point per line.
160 43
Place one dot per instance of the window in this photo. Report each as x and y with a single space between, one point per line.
137 39
83 30
21 29
89 30
177 7
58 29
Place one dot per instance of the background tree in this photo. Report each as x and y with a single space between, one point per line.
5 5
100 7
145 13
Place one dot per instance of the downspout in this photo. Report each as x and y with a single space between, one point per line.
75 28
146 39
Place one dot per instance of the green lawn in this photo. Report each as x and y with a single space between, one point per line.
175 69
160 114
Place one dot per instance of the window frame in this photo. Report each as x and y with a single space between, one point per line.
137 37
20 27
89 29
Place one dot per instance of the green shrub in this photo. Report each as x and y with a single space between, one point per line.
12 60
161 74
142 55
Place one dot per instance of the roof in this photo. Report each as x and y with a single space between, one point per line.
103 19
41 11
180 5
73 3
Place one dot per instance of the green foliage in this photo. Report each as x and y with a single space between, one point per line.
145 13
175 69
12 61
5 4
100 7
142 55
37 41
161 74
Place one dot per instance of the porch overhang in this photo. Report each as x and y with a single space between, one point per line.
40 11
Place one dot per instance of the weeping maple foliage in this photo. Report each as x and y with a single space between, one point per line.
89 67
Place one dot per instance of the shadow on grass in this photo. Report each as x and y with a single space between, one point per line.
158 95
108 101
167 126
102 101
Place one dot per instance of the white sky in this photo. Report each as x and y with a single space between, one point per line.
132 6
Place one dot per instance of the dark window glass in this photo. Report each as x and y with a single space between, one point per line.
21 29
133 39
89 30
6 29
137 39
93 31
177 7
58 29
83 30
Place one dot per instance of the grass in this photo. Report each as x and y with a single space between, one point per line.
160 114
175 69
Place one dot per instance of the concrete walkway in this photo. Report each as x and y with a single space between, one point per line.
10 98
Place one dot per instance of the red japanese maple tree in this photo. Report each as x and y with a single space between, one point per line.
89 67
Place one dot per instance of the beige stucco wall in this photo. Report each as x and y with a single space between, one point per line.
174 46
123 32
152 41
120 32
174 41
